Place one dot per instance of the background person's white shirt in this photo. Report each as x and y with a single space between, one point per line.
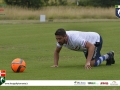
77 40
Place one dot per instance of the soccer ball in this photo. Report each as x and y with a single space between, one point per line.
18 65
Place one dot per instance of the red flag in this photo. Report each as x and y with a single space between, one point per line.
3 73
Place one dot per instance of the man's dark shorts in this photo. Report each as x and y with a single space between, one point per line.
98 47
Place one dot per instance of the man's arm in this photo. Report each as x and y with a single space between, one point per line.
56 56
91 49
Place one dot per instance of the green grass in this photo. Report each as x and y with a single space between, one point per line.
35 43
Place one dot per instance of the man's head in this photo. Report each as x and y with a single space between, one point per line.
61 36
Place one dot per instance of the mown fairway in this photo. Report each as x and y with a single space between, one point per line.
35 43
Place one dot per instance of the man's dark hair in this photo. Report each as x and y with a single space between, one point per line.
60 32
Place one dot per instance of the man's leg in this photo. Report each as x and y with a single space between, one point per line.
97 62
98 59
109 58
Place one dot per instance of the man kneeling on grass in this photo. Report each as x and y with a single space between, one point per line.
88 42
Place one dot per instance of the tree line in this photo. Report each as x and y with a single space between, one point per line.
41 3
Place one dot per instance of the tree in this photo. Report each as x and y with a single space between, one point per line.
26 3
62 2
104 3
99 3
36 3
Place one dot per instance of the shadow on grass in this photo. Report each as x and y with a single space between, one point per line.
82 66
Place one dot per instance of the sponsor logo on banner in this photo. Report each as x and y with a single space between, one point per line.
2 76
114 83
91 82
79 83
103 83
